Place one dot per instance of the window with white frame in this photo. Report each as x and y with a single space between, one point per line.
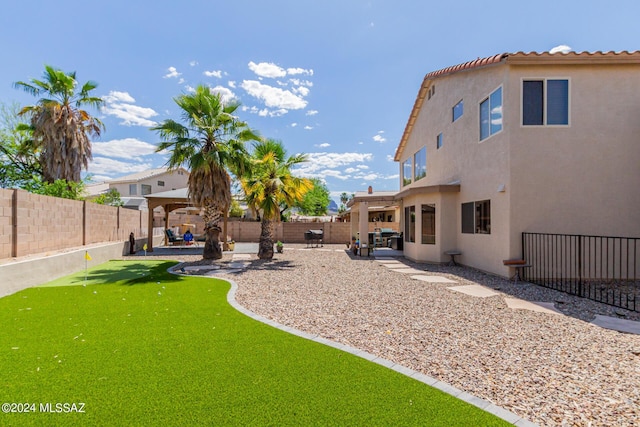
491 114
146 189
406 172
545 102
420 162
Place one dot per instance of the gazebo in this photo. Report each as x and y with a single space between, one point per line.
170 201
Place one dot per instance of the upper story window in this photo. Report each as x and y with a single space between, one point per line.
406 172
133 189
146 189
160 183
491 114
545 102
420 162
439 141
458 109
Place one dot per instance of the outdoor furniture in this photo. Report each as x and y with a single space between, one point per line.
377 238
395 242
172 239
518 264
311 236
452 254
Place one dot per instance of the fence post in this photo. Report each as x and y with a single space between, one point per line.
580 281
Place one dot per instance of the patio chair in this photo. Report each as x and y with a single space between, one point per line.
172 239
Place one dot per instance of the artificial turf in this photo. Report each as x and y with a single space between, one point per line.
139 346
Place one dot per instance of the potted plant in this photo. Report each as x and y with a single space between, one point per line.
279 246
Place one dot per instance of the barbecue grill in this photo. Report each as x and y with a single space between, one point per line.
311 236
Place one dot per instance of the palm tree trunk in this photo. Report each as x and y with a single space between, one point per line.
265 250
212 215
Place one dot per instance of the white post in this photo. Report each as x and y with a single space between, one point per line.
364 225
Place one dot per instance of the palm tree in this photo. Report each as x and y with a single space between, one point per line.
210 143
267 183
61 128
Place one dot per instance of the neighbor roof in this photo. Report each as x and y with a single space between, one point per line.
519 58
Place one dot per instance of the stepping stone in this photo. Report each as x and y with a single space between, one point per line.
388 261
475 291
433 279
237 265
406 270
622 325
236 257
385 258
540 307
395 266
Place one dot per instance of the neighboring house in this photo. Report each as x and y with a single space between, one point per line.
134 187
523 142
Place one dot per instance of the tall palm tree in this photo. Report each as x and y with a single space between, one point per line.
61 128
267 183
210 142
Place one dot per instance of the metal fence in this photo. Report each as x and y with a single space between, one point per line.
600 268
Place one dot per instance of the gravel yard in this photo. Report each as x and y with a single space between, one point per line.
554 370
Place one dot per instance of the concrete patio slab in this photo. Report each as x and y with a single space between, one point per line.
433 279
202 267
475 291
621 325
388 261
395 266
237 257
540 307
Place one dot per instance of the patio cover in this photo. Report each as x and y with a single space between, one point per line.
170 201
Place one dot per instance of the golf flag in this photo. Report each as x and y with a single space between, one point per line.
87 256
144 247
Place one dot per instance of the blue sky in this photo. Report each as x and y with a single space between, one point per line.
333 79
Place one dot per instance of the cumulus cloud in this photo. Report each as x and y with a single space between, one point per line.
172 73
193 63
563 48
120 104
298 82
273 96
379 138
294 125
311 113
126 148
301 90
213 73
308 127
294 71
232 84
225 93
267 69
323 145
105 166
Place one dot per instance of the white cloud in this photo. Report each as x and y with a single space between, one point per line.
193 63
120 104
232 84
181 80
389 158
214 73
172 72
190 89
106 166
294 125
308 127
127 148
323 145
311 113
273 96
304 91
298 82
225 93
333 173
351 170
267 69
379 138
323 161
294 71
563 48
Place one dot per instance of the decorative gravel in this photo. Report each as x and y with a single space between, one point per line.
552 370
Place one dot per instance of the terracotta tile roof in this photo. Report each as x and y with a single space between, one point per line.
542 58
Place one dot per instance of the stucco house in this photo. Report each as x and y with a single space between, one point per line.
520 142
134 187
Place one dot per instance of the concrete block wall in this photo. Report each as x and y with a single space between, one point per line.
102 223
6 223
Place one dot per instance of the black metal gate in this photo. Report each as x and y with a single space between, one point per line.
600 268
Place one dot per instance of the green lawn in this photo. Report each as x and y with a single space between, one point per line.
139 346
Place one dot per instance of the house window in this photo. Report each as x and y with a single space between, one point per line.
458 109
146 189
133 189
420 162
410 224
429 224
406 172
538 110
476 217
491 114
160 183
439 141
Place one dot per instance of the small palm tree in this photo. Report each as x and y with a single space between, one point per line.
61 128
210 143
268 183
